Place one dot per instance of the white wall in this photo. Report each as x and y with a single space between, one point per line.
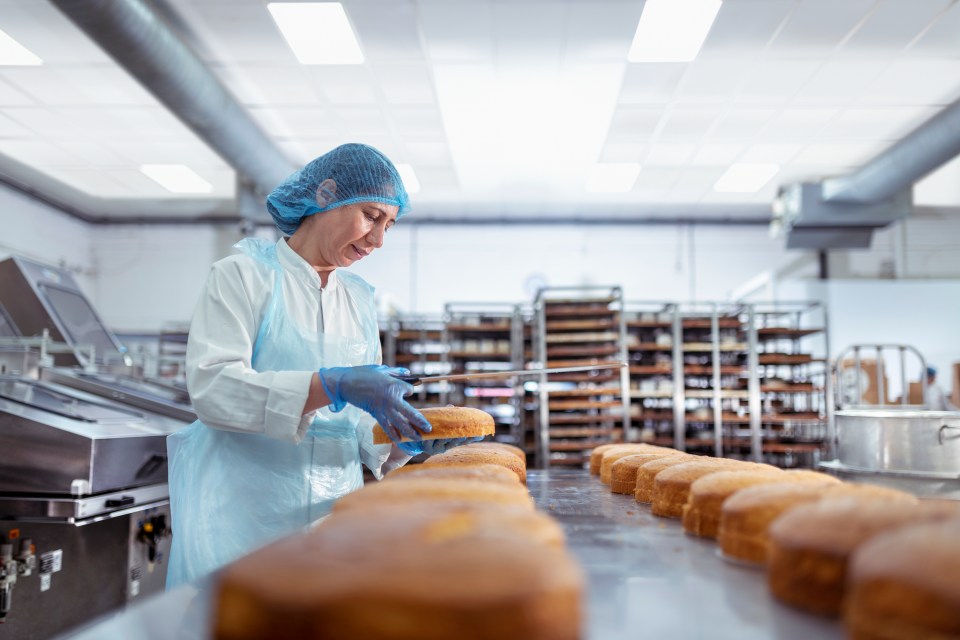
39 232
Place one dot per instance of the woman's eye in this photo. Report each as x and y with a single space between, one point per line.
371 217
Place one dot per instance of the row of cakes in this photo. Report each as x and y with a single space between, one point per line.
451 548
881 558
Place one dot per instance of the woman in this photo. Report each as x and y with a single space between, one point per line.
283 370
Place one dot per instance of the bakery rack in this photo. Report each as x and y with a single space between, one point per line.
577 326
416 342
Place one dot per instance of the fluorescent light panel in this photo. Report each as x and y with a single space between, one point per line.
409 177
176 178
746 177
12 53
672 30
318 33
613 177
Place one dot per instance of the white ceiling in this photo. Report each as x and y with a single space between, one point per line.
501 106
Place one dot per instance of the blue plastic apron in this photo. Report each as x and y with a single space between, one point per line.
233 492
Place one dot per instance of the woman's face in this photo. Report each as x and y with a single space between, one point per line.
349 233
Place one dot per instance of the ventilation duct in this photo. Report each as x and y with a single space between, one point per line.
135 35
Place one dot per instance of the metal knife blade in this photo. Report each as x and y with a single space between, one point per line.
499 375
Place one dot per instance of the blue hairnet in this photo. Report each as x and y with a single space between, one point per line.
360 174
931 371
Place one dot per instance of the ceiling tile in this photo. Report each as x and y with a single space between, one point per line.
529 29
669 153
457 31
428 154
712 80
716 154
839 82
291 122
622 152
942 38
775 81
238 33
816 27
271 85
345 85
363 121
417 122
96 182
771 153
600 30
44 30
654 180
10 96
686 124
850 155
915 81
740 124
9 128
889 123
405 84
633 124
797 124
744 27
386 30
650 83
39 154
892 26
436 179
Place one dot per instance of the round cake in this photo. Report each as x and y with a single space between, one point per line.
501 446
447 422
646 474
609 457
422 574
467 455
811 544
480 472
701 514
903 584
671 487
433 489
596 455
623 472
871 491
746 516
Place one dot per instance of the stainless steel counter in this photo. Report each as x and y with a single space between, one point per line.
645 578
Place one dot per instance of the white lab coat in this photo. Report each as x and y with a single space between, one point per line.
937 400
226 391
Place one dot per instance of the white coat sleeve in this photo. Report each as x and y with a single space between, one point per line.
381 459
226 391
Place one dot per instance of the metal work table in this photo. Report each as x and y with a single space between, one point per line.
645 578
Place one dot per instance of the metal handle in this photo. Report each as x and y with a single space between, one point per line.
122 501
414 380
940 431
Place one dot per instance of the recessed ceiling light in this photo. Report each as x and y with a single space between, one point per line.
318 32
613 177
745 177
176 178
409 177
672 30
12 53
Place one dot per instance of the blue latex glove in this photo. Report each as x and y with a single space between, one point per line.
374 389
434 446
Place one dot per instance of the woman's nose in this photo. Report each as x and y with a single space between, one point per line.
375 237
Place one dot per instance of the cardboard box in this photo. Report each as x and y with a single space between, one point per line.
955 395
847 380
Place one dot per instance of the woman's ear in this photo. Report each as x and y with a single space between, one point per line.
326 192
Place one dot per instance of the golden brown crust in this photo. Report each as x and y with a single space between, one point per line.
480 472
608 457
811 545
903 584
671 487
345 579
746 516
596 455
701 514
378 494
646 474
623 472
501 446
466 455
447 422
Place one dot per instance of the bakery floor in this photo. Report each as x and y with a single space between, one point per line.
645 577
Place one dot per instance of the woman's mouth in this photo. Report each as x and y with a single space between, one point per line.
359 254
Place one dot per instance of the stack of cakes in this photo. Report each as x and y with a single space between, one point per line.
450 548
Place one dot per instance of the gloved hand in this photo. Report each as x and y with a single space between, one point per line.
434 446
373 389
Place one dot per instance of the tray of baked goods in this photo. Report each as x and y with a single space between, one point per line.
650 542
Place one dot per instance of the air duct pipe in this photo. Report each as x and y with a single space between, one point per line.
142 43
929 146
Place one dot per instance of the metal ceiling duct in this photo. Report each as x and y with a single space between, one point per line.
133 33
930 145
843 212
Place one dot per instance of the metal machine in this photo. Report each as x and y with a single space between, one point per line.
84 504
894 443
